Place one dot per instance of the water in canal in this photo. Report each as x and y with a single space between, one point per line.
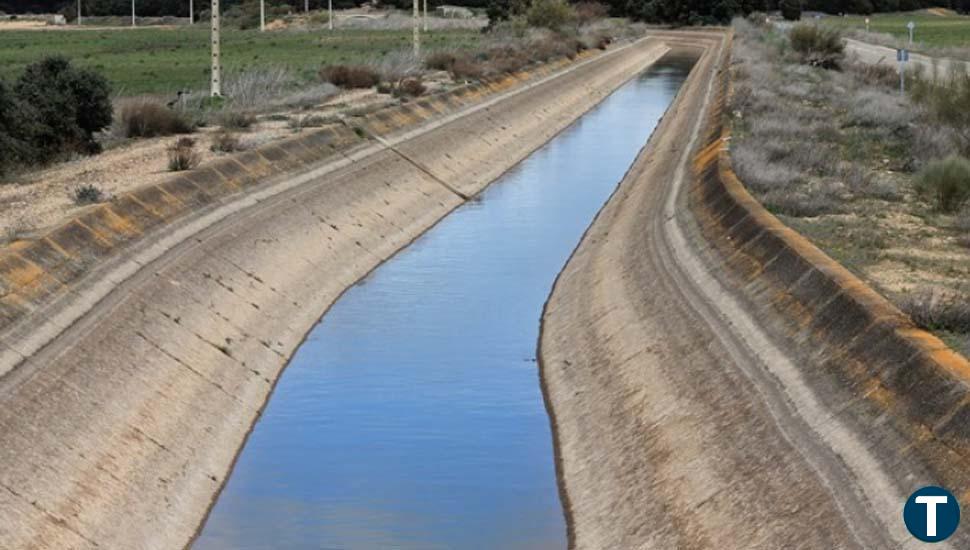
412 416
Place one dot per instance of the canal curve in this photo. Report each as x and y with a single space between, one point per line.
412 416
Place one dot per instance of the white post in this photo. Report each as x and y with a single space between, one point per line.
330 13
78 13
216 87
425 15
306 7
262 15
191 13
416 31
132 13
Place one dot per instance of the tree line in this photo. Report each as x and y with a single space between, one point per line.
679 12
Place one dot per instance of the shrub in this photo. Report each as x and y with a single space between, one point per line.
409 87
225 141
320 18
68 105
945 182
146 118
551 14
587 12
350 76
465 68
309 121
948 101
938 311
757 18
182 155
440 61
817 46
87 194
236 120
15 117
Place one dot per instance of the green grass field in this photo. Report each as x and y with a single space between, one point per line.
162 61
931 30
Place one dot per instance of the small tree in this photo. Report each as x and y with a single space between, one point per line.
71 104
791 10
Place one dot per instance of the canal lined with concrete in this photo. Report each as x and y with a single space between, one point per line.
412 416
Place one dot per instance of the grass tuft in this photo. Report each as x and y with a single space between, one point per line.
182 155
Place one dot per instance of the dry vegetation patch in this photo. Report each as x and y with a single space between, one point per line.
876 179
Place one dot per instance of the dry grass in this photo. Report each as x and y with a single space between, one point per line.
225 141
934 310
144 118
182 155
836 155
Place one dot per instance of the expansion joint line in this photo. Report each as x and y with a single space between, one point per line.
411 161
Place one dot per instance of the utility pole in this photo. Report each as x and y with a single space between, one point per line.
191 13
425 15
132 13
78 13
330 13
306 7
416 31
262 15
216 87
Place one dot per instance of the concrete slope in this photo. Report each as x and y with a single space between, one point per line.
120 428
685 416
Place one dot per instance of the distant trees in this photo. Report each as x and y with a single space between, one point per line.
791 10
667 11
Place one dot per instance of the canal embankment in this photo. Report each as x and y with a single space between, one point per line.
716 381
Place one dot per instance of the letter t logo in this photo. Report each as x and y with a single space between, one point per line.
930 502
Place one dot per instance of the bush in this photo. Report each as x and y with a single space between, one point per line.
551 14
182 155
791 10
945 182
587 12
817 46
440 61
320 18
465 68
948 101
408 87
236 120
15 150
146 118
68 105
938 311
225 141
350 76
87 194
309 121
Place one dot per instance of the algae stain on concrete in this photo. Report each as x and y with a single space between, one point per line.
412 416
